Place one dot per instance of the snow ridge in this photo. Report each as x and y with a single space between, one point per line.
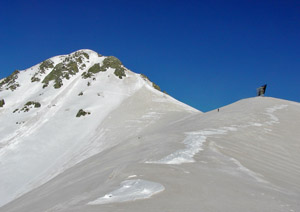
195 140
194 143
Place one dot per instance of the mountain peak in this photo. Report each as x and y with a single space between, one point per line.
59 70
80 73
84 71
64 105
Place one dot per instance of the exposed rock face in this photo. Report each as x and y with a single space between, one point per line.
2 102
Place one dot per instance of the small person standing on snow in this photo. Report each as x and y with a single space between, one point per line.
218 109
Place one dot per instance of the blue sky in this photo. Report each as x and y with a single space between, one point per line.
205 53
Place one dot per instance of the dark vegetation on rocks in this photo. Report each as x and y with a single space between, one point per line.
92 71
28 106
153 84
61 71
66 69
113 62
81 112
10 81
2 102
108 62
144 76
69 67
47 64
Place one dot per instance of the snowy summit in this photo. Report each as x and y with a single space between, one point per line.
81 132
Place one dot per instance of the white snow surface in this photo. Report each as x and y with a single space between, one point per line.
130 190
38 145
140 144
194 140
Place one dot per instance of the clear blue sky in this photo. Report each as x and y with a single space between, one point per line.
204 53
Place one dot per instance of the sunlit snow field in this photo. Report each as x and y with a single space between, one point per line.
141 150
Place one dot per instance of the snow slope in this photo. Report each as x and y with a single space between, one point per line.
144 151
40 144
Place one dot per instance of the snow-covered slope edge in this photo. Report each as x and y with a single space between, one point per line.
55 114
246 159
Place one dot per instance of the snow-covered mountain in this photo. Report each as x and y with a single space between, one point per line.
81 132
66 109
